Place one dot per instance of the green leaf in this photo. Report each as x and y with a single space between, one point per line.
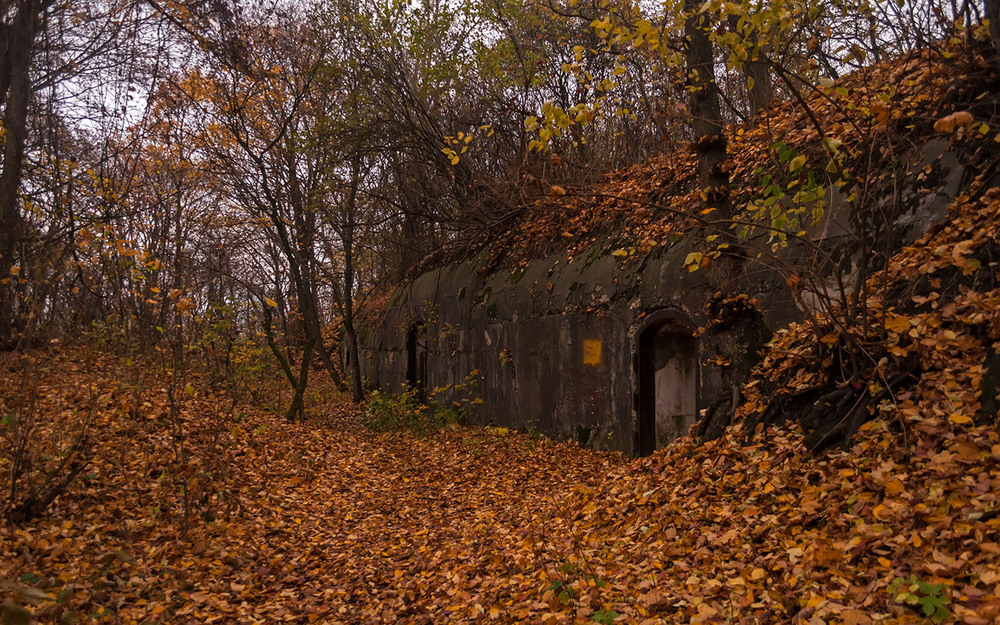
797 163
604 617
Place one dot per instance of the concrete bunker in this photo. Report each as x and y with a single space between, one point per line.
416 359
667 381
599 347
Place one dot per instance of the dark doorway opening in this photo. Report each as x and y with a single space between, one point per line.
416 359
667 378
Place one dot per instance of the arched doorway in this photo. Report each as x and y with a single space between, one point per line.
667 380
416 359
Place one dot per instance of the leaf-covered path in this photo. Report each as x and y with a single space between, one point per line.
316 522
328 522
411 527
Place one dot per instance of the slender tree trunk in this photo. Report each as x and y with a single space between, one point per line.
273 344
307 300
314 331
301 260
296 410
357 392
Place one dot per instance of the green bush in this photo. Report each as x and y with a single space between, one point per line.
386 412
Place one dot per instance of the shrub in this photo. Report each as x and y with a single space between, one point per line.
386 412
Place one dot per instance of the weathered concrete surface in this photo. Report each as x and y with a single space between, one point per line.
554 341
557 343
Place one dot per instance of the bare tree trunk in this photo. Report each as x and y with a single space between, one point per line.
706 113
273 344
760 87
296 410
314 331
357 393
17 38
993 15
301 261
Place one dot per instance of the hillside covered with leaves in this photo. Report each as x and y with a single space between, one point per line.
196 507
265 521
880 116
198 198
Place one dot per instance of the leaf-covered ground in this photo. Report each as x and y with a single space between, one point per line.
328 522
198 509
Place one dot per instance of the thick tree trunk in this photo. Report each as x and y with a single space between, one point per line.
357 391
760 87
18 38
993 15
706 113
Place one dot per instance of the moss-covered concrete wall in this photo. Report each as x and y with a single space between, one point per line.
556 342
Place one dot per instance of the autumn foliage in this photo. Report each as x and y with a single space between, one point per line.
876 115
330 522
158 313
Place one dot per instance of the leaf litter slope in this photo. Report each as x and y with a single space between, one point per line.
326 522
877 114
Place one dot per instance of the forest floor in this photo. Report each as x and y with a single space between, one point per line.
329 522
